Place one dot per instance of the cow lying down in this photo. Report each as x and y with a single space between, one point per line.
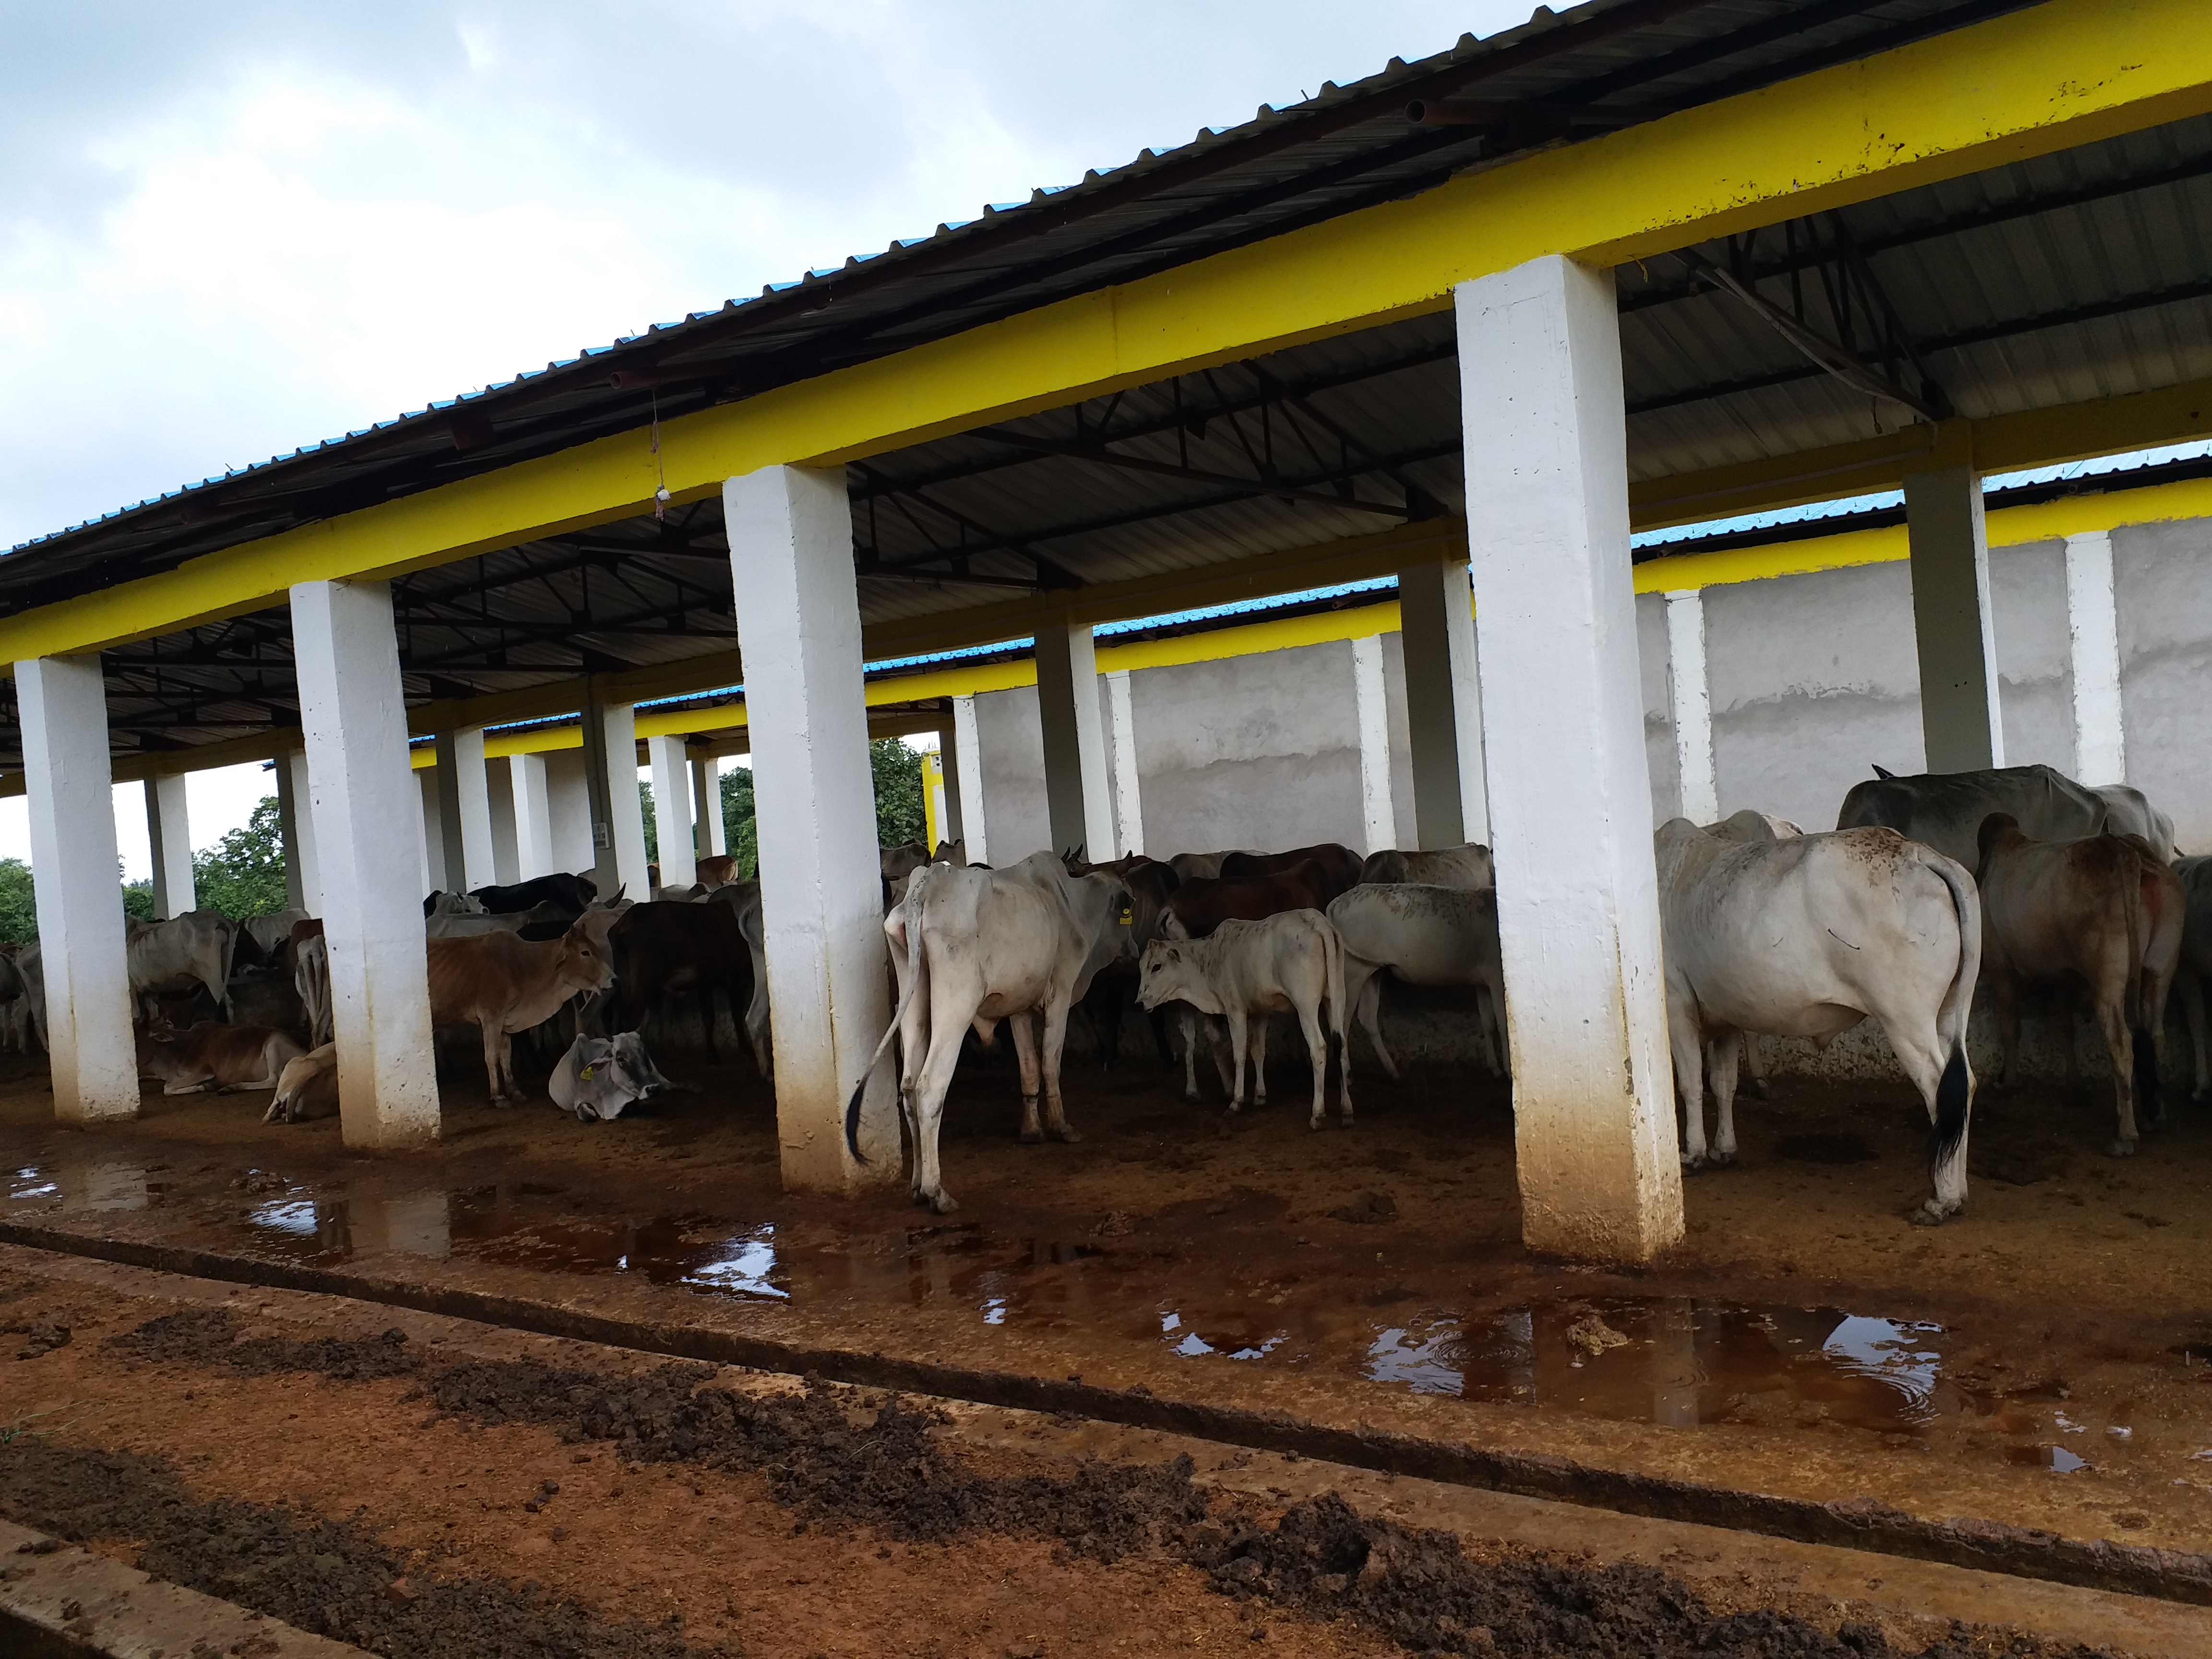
1289 962
1806 937
600 1076
308 1089
216 1058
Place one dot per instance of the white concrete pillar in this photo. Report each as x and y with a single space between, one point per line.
968 762
63 704
1544 430
1953 623
709 833
465 810
506 846
367 810
1370 705
568 809
533 816
430 845
951 821
1690 696
303 870
672 812
2093 620
799 626
1128 786
618 815
1076 802
1444 704
169 834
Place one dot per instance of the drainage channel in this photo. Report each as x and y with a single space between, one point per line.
1855 1524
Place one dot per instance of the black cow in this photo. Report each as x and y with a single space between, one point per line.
573 893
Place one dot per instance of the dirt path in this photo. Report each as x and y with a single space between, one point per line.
468 1490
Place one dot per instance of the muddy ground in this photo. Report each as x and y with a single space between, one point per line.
2040 1362
478 1492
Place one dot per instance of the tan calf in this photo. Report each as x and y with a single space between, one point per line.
502 984
216 1057
2102 914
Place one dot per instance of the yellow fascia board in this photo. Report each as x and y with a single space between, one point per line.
2009 526
2025 84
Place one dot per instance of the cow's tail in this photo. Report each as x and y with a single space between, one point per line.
2149 1107
1954 1091
1333 950
912 905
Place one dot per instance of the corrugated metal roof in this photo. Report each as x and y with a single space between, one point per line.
2046 282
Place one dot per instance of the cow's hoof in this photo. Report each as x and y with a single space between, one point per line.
1724 1160
1693 1165
1070 1136
1931 1214
2122 1148
945 1204
1756 1087
1032 1137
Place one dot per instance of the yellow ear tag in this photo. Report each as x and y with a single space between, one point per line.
586 1074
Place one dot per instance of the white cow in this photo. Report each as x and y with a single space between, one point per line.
311 977
1426 934
1197 866
598 1076
272 931
972 947
192 949
1945 810
1468 867
1289 962
1806 937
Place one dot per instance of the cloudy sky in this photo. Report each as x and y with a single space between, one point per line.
227 229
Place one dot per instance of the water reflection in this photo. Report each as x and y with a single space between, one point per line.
1678 1361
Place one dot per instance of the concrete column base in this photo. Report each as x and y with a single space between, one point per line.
1546 442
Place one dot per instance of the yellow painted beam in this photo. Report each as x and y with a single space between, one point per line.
2003 443
2028 83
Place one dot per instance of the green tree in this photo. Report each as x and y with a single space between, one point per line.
18 910
242 875
138 900
899 816
652 823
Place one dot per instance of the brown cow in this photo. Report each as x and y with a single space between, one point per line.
1114 988
216 1057
1339 865
502 984
1195 909
2103 913
668 946
717 869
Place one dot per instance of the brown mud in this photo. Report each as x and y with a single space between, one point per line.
837 1463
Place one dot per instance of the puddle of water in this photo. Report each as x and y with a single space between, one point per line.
104 1187
1679 1362
2056 1459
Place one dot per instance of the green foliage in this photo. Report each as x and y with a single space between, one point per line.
739 832
652 823
18 911
242 875
18 905
899 816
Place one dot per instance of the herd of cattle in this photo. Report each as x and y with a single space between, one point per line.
2010 881
2018 880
